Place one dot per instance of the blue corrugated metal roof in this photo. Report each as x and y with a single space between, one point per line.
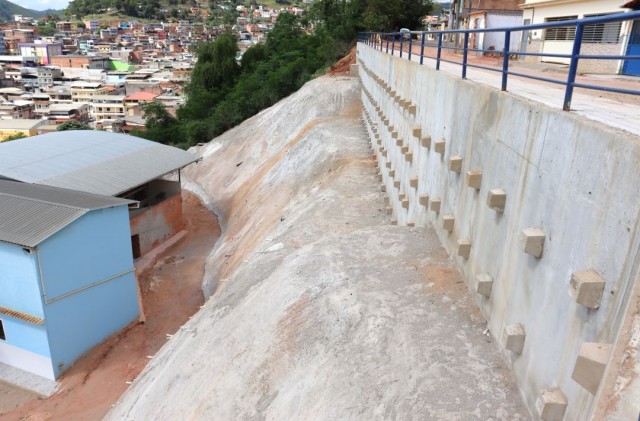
91 161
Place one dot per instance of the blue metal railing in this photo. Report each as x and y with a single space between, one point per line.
382 41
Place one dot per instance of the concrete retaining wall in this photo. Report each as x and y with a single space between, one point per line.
569 183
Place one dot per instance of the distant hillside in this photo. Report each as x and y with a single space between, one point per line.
8 9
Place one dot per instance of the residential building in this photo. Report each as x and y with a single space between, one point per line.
84 91
11 94
59 94
17 110
41 103
27 127
48 74
108 164
92 24
44 52
605 39
67 264
67 26
138 99
107 107
3 48
62 112
487 14
77 61
14 37
103 48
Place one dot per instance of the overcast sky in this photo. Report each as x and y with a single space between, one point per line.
42 4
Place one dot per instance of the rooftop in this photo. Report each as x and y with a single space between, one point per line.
82 84
29 213
19 124
141 96
90 161
96 98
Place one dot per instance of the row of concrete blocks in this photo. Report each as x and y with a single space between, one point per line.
408 156
404 103
531 239
586 286
588 371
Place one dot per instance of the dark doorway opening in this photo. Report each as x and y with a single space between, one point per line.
135 245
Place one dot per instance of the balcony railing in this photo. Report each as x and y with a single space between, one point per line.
458 41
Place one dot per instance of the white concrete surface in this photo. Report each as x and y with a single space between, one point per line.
614 112
27 361
571 177
323 310
26 380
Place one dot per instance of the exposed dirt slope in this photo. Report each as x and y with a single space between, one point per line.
171 294
323 309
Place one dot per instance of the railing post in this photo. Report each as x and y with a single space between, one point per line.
573 68
465 51
422 48
393 44
401 44
505 59
439 51
410 46
387 39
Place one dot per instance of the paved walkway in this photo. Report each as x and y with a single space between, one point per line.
28 381
615 110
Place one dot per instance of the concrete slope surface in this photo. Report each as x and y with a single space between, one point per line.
323 309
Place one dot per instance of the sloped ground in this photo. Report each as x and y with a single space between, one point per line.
171 294
322 309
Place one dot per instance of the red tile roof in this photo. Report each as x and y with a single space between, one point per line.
141 96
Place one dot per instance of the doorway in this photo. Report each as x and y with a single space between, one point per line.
135 246
632 67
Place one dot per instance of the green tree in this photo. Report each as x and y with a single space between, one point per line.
157 116
161 126
341 19
73 125
212 77
222 92
14 137
46 31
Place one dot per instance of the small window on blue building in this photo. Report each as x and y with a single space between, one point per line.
2 336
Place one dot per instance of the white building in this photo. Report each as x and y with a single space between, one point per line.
607 38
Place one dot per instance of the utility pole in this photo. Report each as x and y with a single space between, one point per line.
453 15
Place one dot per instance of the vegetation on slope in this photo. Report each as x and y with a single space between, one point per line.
150 9
222 92
8 9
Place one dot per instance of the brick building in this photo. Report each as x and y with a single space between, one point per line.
80 62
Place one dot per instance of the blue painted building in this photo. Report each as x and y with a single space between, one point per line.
67 280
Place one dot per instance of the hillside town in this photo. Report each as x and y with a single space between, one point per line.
101 72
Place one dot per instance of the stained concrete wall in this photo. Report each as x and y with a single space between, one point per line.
573 179
157 223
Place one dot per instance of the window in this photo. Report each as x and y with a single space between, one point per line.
602 33
567 33
2 335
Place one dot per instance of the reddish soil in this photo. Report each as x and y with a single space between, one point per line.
341 68
171 293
